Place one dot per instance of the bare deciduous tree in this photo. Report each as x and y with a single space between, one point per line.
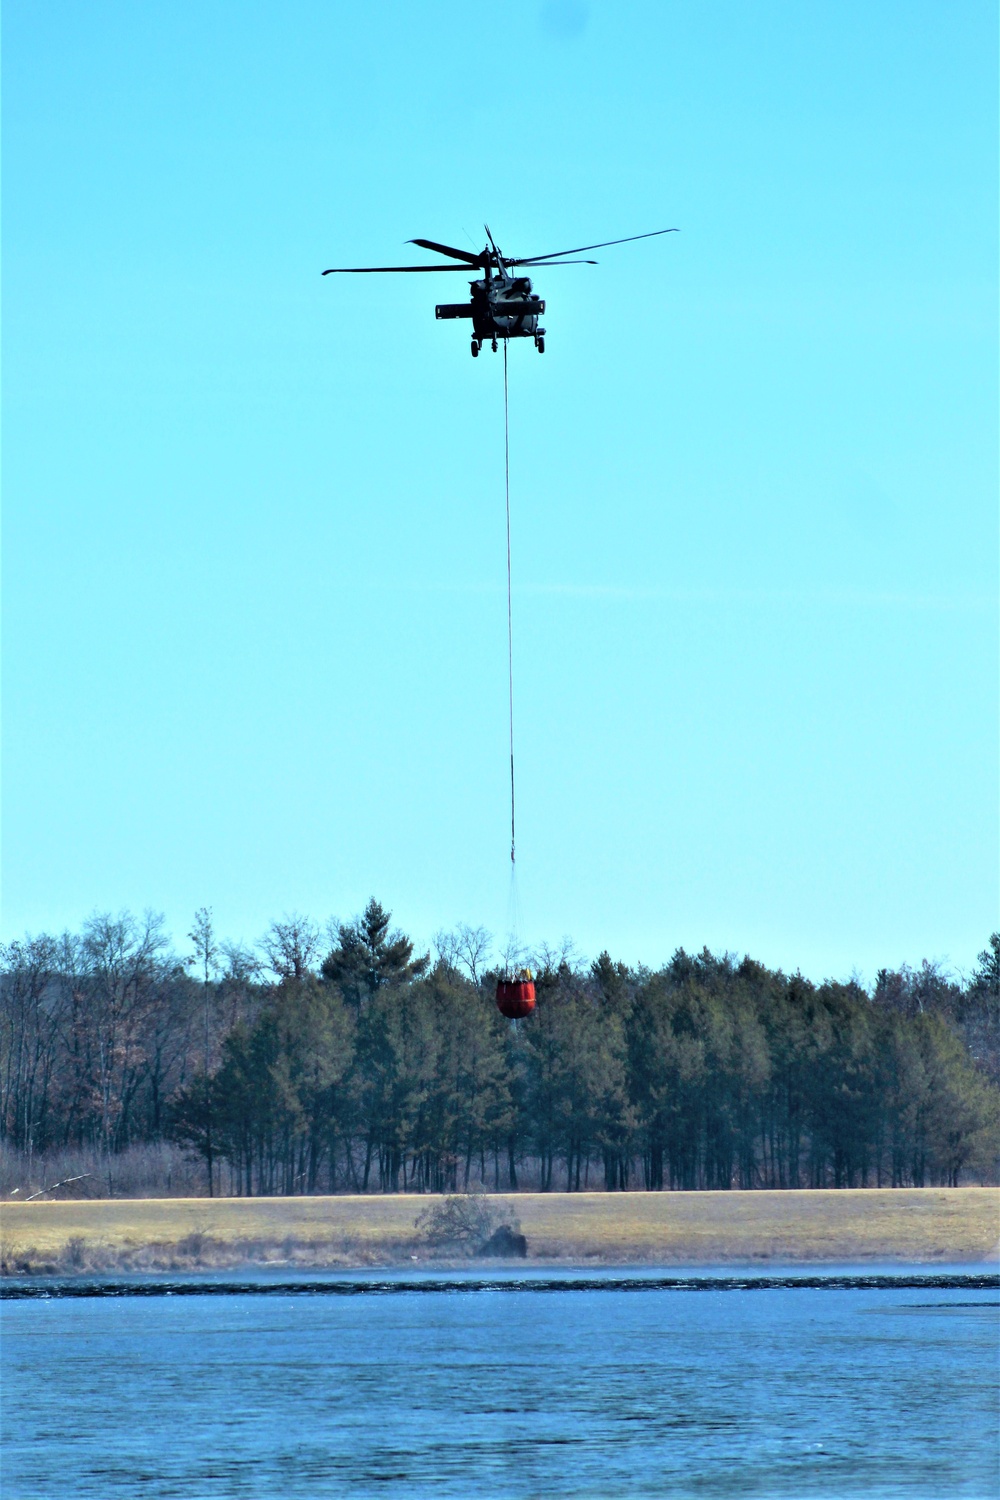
466 948
206 956
30 1024
123 956
290 946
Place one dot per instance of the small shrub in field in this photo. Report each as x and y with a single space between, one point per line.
468 1220
75 1251
193 1244
505 1243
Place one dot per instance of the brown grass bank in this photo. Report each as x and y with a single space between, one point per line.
913 1224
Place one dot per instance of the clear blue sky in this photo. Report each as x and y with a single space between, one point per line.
254 547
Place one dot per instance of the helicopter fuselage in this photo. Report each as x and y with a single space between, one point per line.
501 307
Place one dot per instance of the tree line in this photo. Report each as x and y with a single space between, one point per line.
344 1062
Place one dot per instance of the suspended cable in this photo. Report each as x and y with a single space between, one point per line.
515 986
510 613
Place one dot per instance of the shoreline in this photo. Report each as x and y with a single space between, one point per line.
800 1227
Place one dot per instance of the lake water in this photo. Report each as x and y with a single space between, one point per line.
579 1387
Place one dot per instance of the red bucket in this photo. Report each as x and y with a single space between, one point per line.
515 998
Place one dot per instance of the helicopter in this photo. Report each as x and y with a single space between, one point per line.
502 304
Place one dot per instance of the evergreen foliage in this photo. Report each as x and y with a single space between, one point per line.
371 1069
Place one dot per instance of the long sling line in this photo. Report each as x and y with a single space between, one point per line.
510 615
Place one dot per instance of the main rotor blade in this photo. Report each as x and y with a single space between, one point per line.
547 265
534 260
470 260
371 270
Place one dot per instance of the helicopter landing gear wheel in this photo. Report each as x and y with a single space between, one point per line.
540 343
475 349
494 346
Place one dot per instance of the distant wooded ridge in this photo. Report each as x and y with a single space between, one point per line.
340 1061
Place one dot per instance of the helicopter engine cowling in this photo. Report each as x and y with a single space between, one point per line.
505 308
501 308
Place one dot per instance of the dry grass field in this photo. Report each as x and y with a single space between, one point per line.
915 1225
